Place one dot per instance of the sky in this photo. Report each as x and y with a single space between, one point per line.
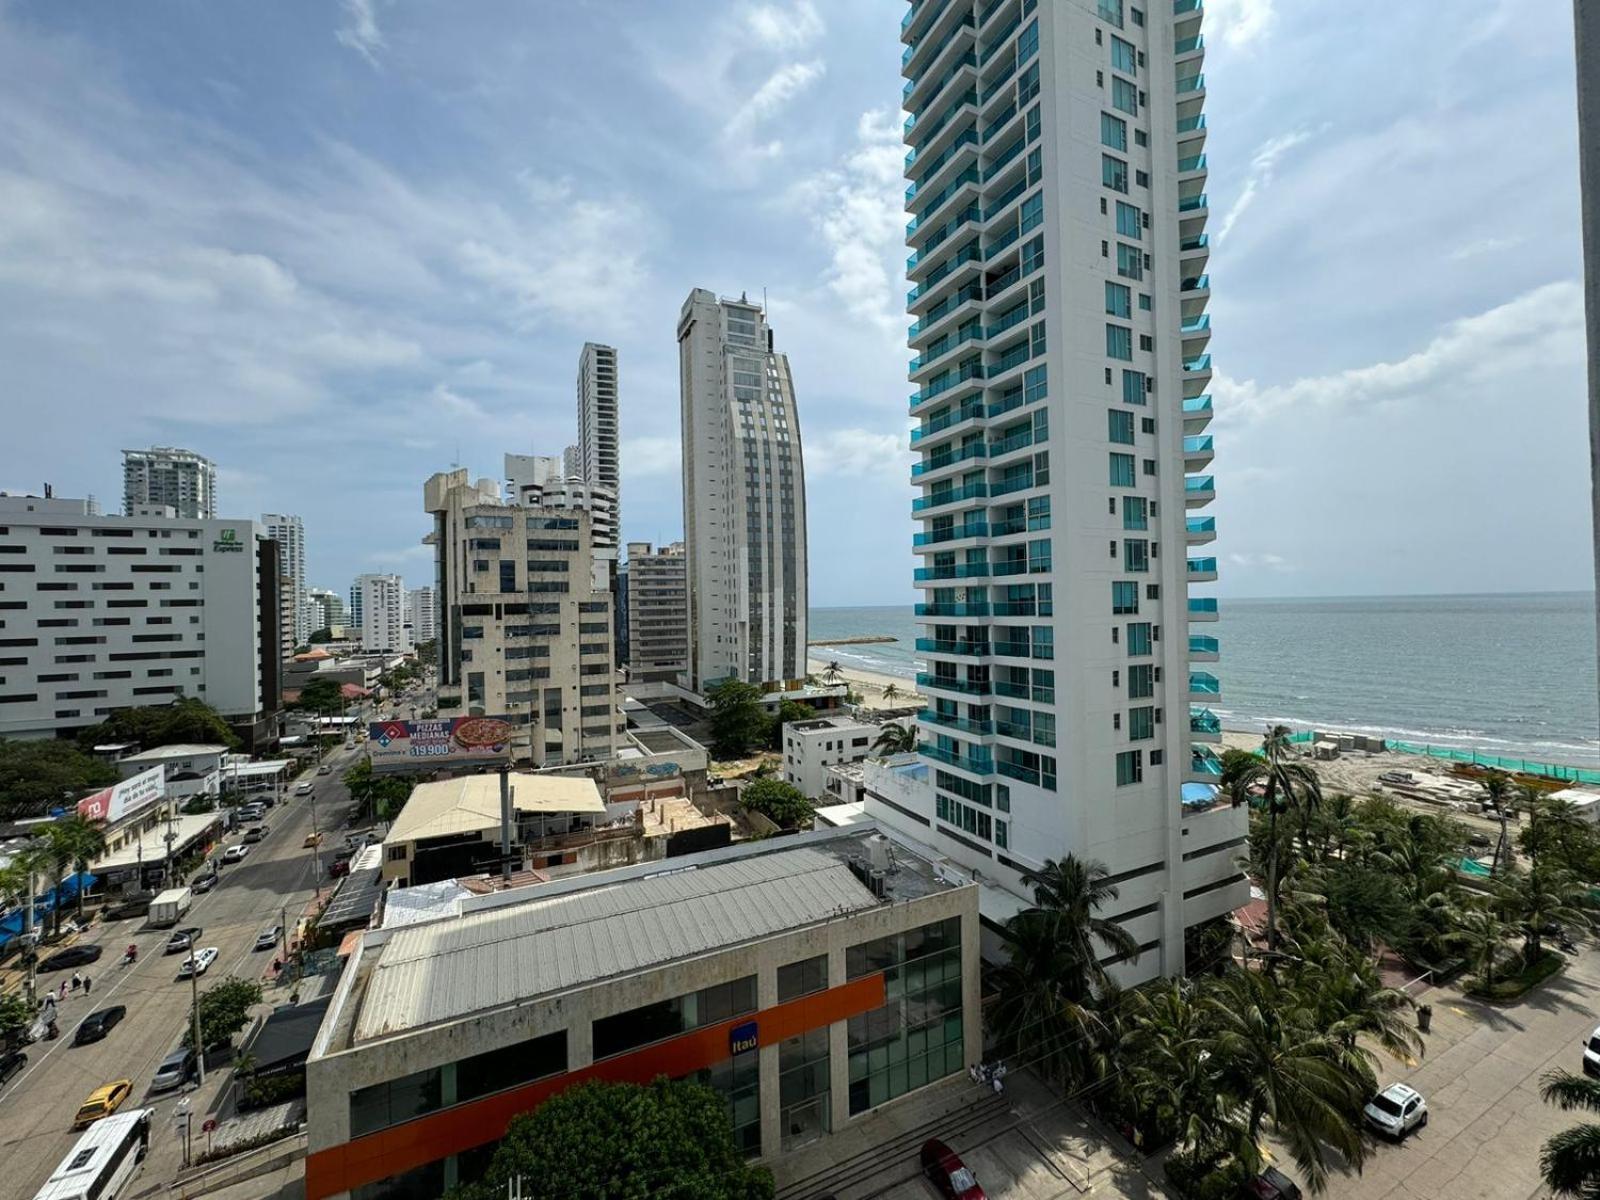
338 245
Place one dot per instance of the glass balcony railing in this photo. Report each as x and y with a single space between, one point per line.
968 253
972 491
1201 363
1205 764
1007 486
1186 125
1203 684
1194 83
1194 406
955 533
1015 442
977 728
1200 483
971 608
939 461
1199 644
1185 165
1197 444
1021 691
998 41
939 424
965 762
969 291
1193 203
967 137
1196 325
946 380
957 571
1203 605
1203 242
1013 770
1188 45
1011 567
1183 7
946 344
1203 720
1020 608
1200 525
937 646
945 683
1007 528
1198 283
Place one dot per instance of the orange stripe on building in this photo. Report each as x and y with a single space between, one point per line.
461 1127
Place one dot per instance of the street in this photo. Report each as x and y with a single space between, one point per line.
278 876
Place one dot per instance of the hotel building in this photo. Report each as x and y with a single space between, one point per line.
1056 168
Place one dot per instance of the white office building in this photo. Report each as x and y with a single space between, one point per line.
1059 337
327 609
290 535
165 476
422 612
744 497
811 747
381 600
99 613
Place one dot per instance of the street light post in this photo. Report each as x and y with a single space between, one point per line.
194 1016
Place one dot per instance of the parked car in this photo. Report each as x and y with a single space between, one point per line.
235 854
175 1070
102 1102
268 938
339 868
182 939
72 956
1272 1184
201 884
198 962
97 1024
1591 1053
254 813
1396 1111
10 1065
130 906
312 839
254 834
949 1174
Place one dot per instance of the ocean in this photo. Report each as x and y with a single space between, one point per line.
1503 674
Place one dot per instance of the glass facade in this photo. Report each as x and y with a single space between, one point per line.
804 1089
916 1036
654 1022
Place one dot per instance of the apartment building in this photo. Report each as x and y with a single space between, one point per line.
290 534
524 631
658 613
422 611
380 603
810 748
165 476
744 497
598 430
327 609
541 481
102 612
1059 337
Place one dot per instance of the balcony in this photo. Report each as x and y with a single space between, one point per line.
1186 11
1184 47
971 608
967 178
948 306
1192 206
1197 370
1195 332
1194 251
939 462
944 683
1011 566
962 762
1199 490
950 420
1197 451
970 215
1016 441
961 649
950 379
973 529
1200 530
938 349
1203 648
1204 765
967 137
1021 691
1203 686
972 491
1023 650
953 571
1007 486
1190 88
970 253
1191 131
1019 608
915 97
1205 725
1202 608
977 728
1193 166
1196 413
1013 770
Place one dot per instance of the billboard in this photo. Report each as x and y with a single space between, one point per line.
126 798
449 741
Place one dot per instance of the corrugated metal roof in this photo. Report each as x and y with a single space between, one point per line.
471 803
486 960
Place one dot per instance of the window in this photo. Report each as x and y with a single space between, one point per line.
1146 342
916 1037
1111 10
1124 96
667 1018
385 1104
1130 262
1135 509
1138 639
1114 173
1141 681
1113 132
1119 342
1035 384
1128 221
1133 387
1144 301
1124 597
802 978
1033 255
1122 470
1141 724
1119 299
1130 767
1135 555
1121 431
1123 56
1028 85
1028 43
1039 557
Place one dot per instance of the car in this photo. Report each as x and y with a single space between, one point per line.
72 956
201 884
312 839
198 962
182 939
131 906
102 1102
254 813
339 868
254 835
1396 1111
10 1065
97 1024
1480 840
325 769
175 1070
268 938
304 789
1591 1053
235 854
1272 1184
953 1178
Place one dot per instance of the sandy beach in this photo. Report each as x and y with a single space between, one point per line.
870 686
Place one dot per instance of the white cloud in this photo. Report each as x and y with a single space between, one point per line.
777 28
858 453
1273 562
1486 245
643 456
360 31
782 86
1536 329
1240 23
1262 166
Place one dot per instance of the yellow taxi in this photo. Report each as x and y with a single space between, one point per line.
102 1102
312 839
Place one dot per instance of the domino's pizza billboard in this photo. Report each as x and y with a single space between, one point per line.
451 741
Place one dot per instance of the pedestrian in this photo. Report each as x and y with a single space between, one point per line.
87 984
77 982
63 991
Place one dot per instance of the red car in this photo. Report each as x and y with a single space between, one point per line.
950 1175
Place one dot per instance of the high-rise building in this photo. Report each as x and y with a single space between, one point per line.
290 535
114 612
181 480
572 463
1586 28
542 482
423 613
327 609
744 496
355 604
382 600
1058 297
597 416
524 632
658 612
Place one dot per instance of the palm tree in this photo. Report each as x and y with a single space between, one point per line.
1483 928
1498 788
1545 896
1071 892
1240 770
1291 787
1043 1001
1350 999
833 672
895 739
1172 1074
891 692
1570 1161
86 841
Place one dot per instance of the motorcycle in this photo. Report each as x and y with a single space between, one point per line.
130 955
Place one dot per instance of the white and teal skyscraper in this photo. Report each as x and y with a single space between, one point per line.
1058 291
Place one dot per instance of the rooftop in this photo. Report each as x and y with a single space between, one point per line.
181 750
617 923
471 803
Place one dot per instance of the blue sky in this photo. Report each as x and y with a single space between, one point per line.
339 245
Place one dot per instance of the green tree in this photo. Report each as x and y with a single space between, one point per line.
895 739
1497 789
83 841
624 1141
38 775
776 800
224 1010
184 720
789 711
1289 787
1072 892
321 636
1543 897
833 672
891 693
1365 904
1044 1003
324 697
1570 1161
738 721
1173 1074
15 1016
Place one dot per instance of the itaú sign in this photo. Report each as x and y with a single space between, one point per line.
743 1038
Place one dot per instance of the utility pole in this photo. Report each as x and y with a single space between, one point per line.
30 939
194 1016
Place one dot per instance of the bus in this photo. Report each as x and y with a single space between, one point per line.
103 1161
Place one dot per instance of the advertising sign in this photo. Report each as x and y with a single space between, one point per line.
744 1038
397 745
126 798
